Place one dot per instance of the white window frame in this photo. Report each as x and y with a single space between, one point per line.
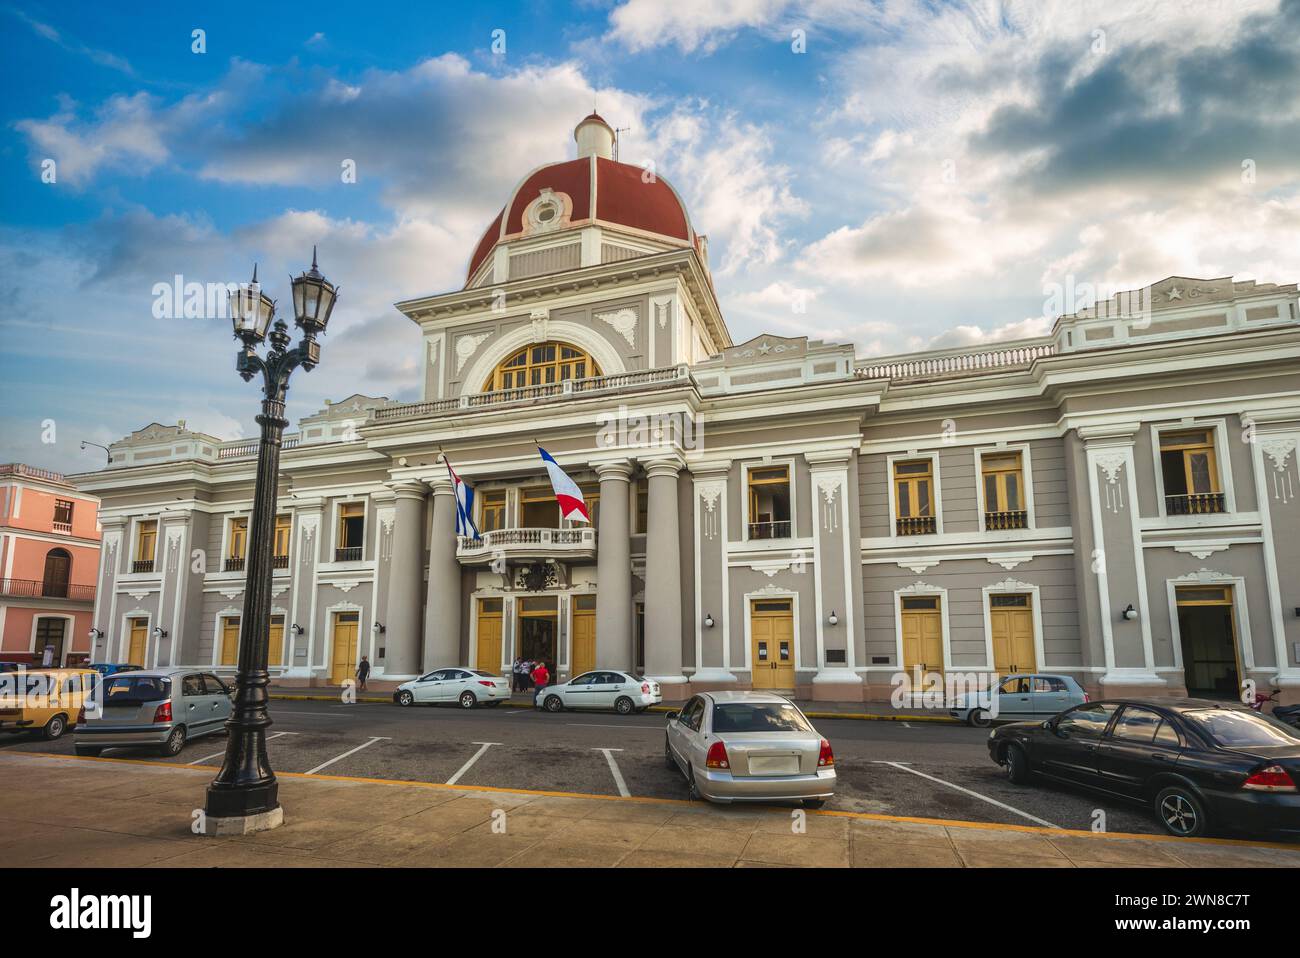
760 595
1240 618
1026 472
920 589
69 633
746 468
135 543
124 635
334 523
933 457
1222 460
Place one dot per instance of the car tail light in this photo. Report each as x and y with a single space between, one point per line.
490 685
163 713
645 688
717 757
827 758
1273 778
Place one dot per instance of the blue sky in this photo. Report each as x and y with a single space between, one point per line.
920 175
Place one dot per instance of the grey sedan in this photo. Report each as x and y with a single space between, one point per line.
749 747
1019 698
163 708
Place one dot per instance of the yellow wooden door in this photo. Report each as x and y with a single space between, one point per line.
489 635
139 643
345 648
230 641
772 639
275 650
584 634
923 640
1013 640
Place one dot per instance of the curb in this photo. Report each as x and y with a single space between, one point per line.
856 716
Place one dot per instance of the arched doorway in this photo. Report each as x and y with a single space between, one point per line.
58 571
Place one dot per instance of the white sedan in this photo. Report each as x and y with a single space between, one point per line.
620 691
466 687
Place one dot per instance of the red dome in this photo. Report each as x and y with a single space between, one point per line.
615 191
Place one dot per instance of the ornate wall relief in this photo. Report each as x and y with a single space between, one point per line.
1278 451
1111 462
709 495
624 322
467 346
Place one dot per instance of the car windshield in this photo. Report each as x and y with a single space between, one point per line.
764 717
135 689
1233 728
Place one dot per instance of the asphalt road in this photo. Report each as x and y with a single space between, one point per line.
891 768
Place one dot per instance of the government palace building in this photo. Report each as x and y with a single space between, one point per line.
1115 501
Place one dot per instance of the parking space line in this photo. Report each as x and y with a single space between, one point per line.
613 767
972 793
200 761
652 728
351 751
473 758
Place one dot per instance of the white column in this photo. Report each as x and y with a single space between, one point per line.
663 587
614 569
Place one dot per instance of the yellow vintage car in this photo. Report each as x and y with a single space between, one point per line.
44 700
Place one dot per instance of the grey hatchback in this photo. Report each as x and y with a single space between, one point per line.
163 708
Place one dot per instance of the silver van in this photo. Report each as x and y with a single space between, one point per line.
163 708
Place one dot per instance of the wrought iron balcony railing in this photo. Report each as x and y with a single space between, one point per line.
142 565
770 530
233 564
1015 519
38 589
916 525
1195 504
348 554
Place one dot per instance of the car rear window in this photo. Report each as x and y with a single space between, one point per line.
136 689
487 675
758 717
1234 728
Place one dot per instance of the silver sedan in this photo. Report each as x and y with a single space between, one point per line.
749 747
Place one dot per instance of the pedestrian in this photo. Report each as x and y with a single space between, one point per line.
516 675
363 672
525 675
540 677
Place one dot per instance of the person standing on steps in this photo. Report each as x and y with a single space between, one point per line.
363 673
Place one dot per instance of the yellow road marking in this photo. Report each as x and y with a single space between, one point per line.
865 816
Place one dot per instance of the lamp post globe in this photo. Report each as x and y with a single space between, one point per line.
244 795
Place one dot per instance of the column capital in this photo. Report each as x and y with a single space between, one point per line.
1109 434
613 469
663 466
439 484
408 489
828 459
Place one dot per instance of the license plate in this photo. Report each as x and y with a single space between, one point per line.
774 765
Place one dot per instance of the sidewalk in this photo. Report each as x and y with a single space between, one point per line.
868 711
65 812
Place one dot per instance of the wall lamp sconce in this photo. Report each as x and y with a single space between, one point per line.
296 629
96 635
378 628
160 633
833 619
1130 613
708 621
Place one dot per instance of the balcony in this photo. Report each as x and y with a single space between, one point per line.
348 554
65 528
528 544
1001 521
770 530
233 564
279 562
916 526
1195 504
142 565
48 589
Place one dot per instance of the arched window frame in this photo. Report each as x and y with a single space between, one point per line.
56 588
542 364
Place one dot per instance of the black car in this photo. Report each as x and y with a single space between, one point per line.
1199 765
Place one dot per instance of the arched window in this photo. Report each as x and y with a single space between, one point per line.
58 568
540 364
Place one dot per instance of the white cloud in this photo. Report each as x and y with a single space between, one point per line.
640 24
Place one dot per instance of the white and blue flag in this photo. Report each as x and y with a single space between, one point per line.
464 504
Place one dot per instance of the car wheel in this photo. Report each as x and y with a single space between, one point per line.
1180 812
623 706
978 718
175 742
404 697
55 727
814 802
668 754
87 750
1017 765
692 790
553 704
468 699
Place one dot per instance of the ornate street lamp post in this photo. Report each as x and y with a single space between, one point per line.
243 796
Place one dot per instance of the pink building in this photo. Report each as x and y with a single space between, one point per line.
49 556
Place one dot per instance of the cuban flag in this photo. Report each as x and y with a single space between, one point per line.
464 504
567 493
